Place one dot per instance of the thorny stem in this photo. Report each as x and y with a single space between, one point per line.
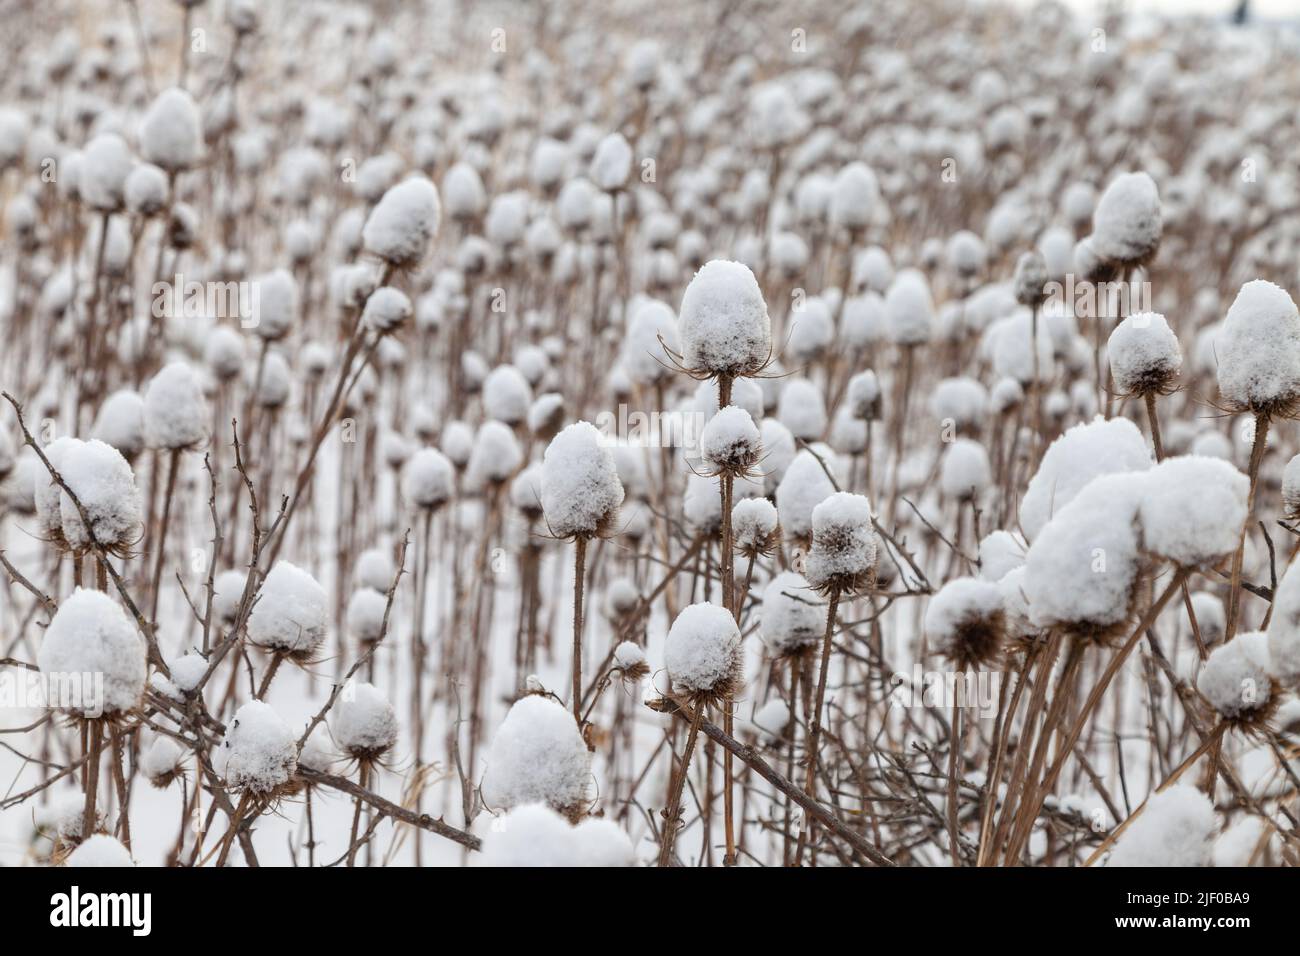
815 725
1234 591
674 808
579 572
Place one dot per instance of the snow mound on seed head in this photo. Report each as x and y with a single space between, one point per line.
703 648
724 325
1258 348
804 486
427 479
1177 828
99 850
537 756
364 720
171 133
581 490
1126 225
844 544
730 436
404 222
752 522
259 751
175 411
1235 679
1082 567
643 355
291 613
1192 509
103 482
1284 628
1143 353
536 836
957 605
793 614
1085 451
91 634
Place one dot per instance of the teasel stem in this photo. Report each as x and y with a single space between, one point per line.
1103 682
679 784
238 818
119 779
815 726
269 676
93 749
579 571
1150 399
362 780
1234 591
173 464
954 743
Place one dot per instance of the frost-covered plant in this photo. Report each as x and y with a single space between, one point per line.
1176 828
581 493
723 322
291 614
1237 682
965 622
793 616
538 756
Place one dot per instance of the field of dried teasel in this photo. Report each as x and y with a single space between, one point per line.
677 434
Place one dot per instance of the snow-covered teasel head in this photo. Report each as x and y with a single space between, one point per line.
580 487
162 762
863 396
538 756
364 724
291 615
793 615
386 310
1031 280
1258 351
175 412
1127 224
1083 566
964 472
1237 681
1177 828
909 309
428 479
104 485
965 622
495 458
171 134
366 611
723 324
507 395
533 835
730 442
259 752
755 528
91 634
403 224
703 654
845 549
1144 355
1074 459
